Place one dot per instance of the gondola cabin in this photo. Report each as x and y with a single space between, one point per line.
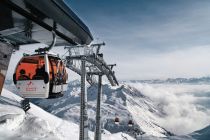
40 76
130 123
117 121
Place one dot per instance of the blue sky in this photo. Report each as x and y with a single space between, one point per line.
149 25
151 38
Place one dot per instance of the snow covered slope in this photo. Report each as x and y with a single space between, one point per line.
179 108
36 124
123 101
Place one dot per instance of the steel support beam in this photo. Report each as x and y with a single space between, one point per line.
98 110
83 104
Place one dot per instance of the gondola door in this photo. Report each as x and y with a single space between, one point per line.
58 77
32 76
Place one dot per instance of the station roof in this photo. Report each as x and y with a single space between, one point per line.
31 21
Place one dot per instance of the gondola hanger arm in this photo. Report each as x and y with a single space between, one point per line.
47 49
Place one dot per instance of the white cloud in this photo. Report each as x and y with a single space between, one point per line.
188 62
183 113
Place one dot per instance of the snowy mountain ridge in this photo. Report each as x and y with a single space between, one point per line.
123 101
201 80
149 106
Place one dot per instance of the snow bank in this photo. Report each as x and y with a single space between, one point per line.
36 124
117 136
10 117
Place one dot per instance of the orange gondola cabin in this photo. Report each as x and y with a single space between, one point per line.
40 76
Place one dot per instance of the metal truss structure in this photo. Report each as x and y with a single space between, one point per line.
95 62
88 62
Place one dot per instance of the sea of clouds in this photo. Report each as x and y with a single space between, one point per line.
186 107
